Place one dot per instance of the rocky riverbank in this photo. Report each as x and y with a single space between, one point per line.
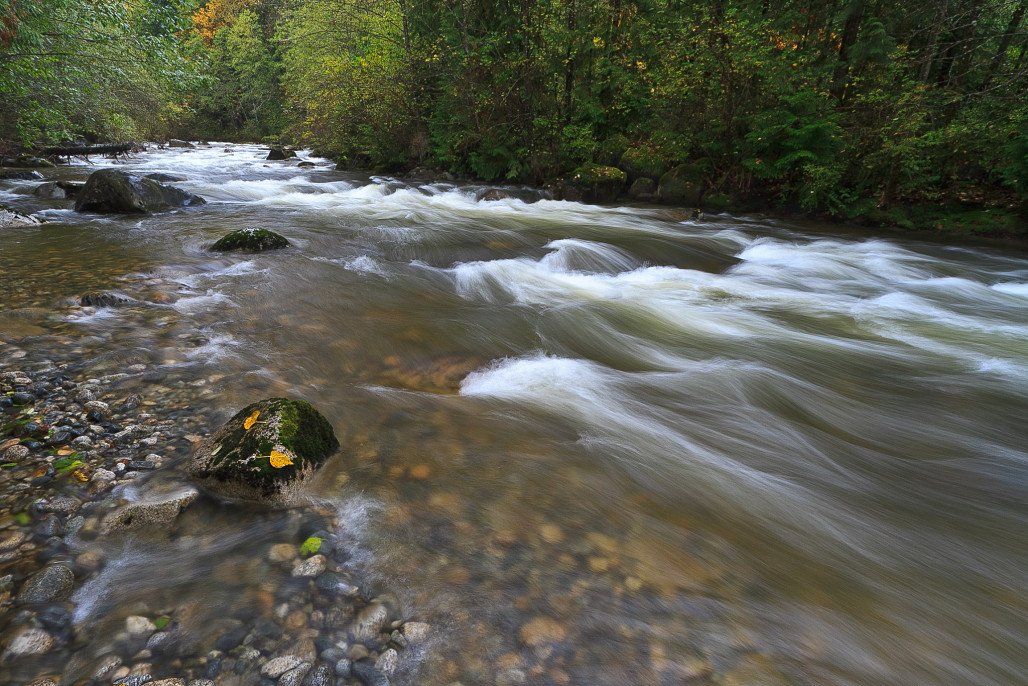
84 462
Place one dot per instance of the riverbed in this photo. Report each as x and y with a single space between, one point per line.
584 444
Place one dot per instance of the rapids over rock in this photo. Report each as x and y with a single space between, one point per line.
584 444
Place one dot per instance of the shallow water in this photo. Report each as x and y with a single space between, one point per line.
726 449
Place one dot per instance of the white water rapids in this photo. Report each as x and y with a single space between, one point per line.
837 419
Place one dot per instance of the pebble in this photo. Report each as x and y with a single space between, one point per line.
416 631
388 661
312 566
30 642
138 626
174 681
369 675
16 453
282 552
277 666
542 630
48 584
294 677
370 621
11 540
320 675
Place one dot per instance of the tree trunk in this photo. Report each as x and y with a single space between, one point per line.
1004 44
850 31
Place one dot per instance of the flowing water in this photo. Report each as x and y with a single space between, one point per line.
589 445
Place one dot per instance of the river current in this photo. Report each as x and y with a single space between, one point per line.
725 450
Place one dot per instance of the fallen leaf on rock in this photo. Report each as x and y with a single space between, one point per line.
251 420
279 459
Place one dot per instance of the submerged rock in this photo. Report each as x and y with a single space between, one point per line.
279 152
30 642
176 143
114 191
250 240
155 510
48 584
264 448
106 299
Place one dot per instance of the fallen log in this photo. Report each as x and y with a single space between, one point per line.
97 149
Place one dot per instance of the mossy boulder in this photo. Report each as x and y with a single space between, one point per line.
266 447
598 183
682 185
250 240
643 189
643 161
114 191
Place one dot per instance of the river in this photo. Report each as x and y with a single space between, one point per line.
725 450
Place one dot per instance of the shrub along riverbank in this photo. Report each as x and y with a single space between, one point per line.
912 116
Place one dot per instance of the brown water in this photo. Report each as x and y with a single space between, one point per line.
589 445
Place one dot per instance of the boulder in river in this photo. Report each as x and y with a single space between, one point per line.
250 240
683 185
598 183
263 449
176 143
9 218
279 152
643 188
114 191
491 194
106 299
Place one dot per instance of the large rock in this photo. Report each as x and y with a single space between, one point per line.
114 191
176 143
279 152
598 183
106 299
643 189
264 448
683 185
250 240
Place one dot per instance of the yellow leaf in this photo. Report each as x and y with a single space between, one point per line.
279 459
65 451
251 420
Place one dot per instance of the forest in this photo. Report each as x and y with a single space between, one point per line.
909 114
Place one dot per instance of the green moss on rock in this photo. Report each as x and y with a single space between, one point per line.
250 240
598 183
265 447
683 185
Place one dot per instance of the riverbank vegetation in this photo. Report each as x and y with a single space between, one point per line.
906 114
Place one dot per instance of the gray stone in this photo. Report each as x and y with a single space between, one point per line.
369 675
277 666
311 567
156 510
48 584
369 621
